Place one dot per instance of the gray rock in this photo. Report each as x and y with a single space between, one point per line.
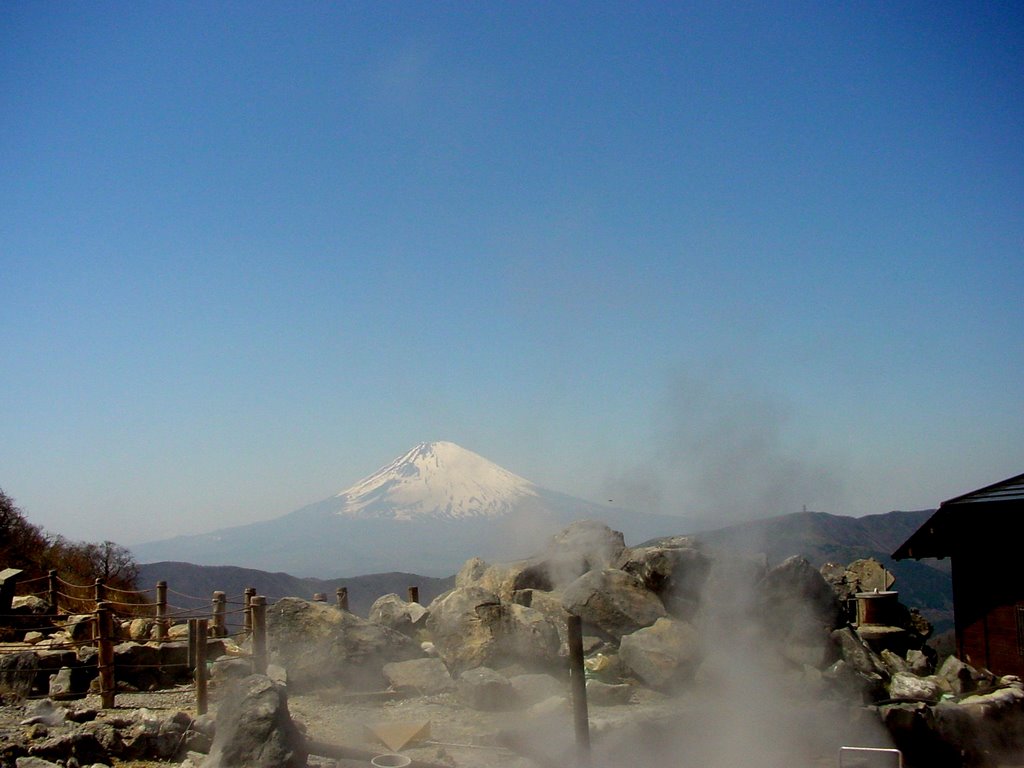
962 677
29 605
395 613
255 729
858 655
79 627
425 676
549 604
894 662
471 628
485 689
533 688
585 545
80 745
18 672
470 573
613 601
106 735
908 687
664 655
798 607
62 685
44 711
34 762
675 570
320 645
138 664
608 694
230 668
139 629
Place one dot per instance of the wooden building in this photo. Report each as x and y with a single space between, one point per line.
981 534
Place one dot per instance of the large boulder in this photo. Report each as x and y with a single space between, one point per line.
321 645
664 655
675 569
585 545
505 579
613 601
138 665
18 673
471 627
484 688
905 686
424 676
255 729
395 613
962 678
799 610
549 604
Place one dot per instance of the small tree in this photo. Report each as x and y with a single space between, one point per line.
22 544
83 562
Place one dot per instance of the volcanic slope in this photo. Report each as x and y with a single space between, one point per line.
427 511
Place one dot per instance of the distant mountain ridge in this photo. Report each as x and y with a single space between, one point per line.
823 538
427 511
191 587
817 536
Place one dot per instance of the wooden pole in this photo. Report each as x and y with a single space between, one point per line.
259 635
343 598
105 661
193 643
578 683
202 627
249 594
51 583
100 592
161 610
414 594
219 614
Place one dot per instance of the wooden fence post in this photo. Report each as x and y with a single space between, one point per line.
219 613
161 610
250 592
100 592
259 635
51 584
342 598
201 648
414 594
105 661
578 683
193 643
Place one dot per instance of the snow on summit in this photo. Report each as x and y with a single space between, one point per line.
436 480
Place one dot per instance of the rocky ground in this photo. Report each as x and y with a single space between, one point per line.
460 736
689 660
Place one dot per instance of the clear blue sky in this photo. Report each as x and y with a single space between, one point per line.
715 258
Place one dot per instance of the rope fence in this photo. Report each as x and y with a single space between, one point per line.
91 619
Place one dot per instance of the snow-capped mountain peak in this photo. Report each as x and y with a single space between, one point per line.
436 480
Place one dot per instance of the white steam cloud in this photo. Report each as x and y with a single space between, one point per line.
721 455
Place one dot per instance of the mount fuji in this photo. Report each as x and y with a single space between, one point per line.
427 512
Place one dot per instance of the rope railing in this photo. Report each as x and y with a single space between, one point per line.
26 582
217 615
127 591
182 594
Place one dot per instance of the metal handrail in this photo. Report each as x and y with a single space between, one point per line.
878 750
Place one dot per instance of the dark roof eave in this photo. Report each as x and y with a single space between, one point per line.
929 540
